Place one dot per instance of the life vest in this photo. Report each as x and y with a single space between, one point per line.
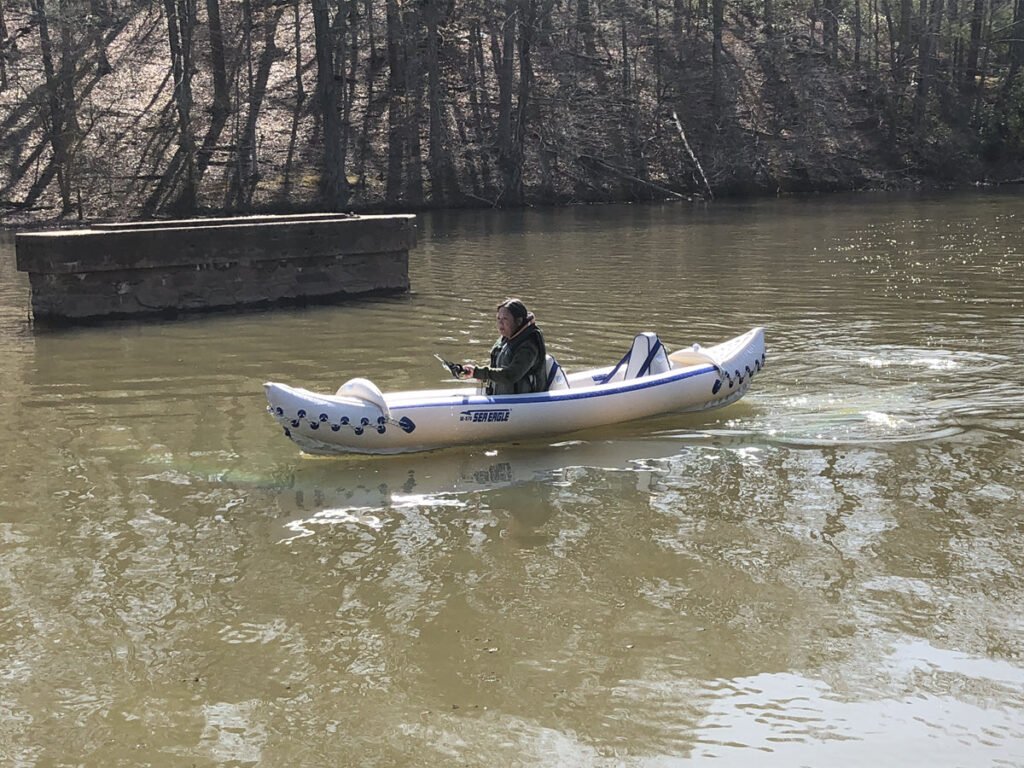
502 353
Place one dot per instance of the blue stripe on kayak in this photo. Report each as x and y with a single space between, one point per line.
552 397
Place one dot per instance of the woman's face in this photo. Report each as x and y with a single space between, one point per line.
506 323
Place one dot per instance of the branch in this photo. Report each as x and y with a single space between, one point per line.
611 168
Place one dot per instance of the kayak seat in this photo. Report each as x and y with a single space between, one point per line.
646 357
554 376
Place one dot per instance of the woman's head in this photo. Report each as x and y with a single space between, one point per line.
511 316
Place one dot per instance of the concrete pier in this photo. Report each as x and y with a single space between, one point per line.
113 270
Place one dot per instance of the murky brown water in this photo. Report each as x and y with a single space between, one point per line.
829 573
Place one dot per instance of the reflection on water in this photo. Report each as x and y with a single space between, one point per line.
827 572
358 490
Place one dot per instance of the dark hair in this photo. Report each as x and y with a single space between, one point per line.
517 309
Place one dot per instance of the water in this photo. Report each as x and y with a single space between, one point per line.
826 573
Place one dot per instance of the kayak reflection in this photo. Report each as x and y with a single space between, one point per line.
365 491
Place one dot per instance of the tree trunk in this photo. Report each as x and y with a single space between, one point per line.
333 182
1016 47
180 24
396 103
979 91
414 107
3 46
504 54
545 22
344 77
974 46
443 184
527 24
58 133
717 22
657 56
830 29
630 108
479 101
68 103
353 69
624 51
857 33
300 92
100 18
876 24
890 24
905 47
585 26
926 67
221 95
956 54
371 79
247 171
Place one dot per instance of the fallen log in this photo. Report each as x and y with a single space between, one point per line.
693 157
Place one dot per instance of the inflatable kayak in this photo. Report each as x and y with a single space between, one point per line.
647 381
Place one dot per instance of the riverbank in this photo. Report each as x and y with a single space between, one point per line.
12 224
619 109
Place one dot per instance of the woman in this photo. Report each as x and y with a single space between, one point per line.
517 357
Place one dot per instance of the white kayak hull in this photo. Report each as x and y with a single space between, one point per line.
360 419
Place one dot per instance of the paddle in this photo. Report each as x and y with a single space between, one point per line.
455 369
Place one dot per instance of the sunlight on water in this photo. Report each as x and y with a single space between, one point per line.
786 720
931 363
307 526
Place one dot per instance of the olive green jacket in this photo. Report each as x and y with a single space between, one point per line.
517 364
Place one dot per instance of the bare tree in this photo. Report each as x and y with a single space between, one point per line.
218 64
370 112
396 102
100 18
60 98
221 95
4 42
503 54
333 180
181 20
414 113
974 46
443 182
904 44
1016 51
830 28
480 102
245 170
926 58
585 26
527 26
717 23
